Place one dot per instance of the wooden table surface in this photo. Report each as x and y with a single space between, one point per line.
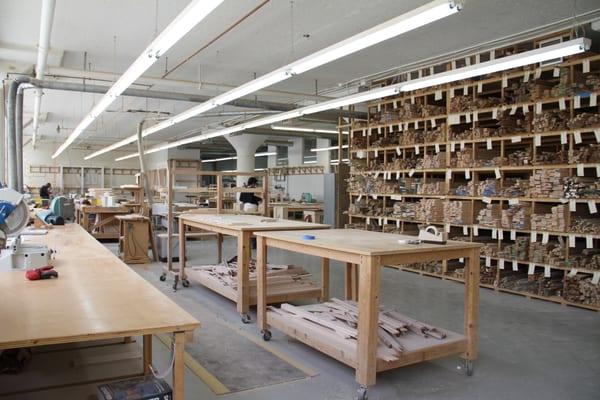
254 223
360 242
96 296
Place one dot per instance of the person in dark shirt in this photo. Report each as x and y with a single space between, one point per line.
46 191
249 200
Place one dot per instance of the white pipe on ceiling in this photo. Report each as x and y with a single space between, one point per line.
46 20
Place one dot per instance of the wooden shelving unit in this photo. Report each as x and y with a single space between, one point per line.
481 145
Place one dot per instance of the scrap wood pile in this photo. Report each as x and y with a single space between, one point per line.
277 275
341 317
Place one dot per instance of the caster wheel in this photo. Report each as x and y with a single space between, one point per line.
469 367
163 278
185 283
175 287
266 335
361 393
246 318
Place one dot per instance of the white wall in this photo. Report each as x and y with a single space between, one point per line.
72 157
298 184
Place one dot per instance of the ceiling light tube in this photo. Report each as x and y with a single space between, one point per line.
179 27
303 129
563 49
416 18
318 149
411 20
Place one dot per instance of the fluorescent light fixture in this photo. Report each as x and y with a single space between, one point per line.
317 149
563 49
310 162
303 129
338 161
416 18
179 27
361 97
264 154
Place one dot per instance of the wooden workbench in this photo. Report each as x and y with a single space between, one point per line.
370 251
242 227
96 296
105 225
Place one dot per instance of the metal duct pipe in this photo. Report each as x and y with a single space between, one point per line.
42 59
145 182
11 135
19 139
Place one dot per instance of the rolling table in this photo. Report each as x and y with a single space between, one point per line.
242 227
371 251
282 209
96 297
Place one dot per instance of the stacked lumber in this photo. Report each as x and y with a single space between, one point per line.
586 154
390 139
516 251
405 210
580 187
584 120
514 188
490 215
463 159
489 250
341 318
485 132
487 275
435 135
551 120
412 136
458 212
590 226
555 221
547 183
278 276
430 210
460 104
400 163
433 267
464 190
516 216
520 157
431 110
431 161
438 187
559 156
588 259
580 289
457 134
511 124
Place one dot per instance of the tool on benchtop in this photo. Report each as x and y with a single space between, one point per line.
429 235
14 217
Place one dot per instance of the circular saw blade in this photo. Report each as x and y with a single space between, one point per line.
17 220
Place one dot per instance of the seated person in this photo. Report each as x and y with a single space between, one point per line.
249 202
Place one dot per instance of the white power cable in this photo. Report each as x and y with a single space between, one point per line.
166 372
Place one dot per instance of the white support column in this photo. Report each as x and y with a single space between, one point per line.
245 148
324 157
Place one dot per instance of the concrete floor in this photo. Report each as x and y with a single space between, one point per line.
529 349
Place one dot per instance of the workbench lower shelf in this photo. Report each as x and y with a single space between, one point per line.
275 294
416 348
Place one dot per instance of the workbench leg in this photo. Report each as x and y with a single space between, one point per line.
472 305
182 241
261 283
351 281
219 248
178 366
324 279
368 320
147 339
243 291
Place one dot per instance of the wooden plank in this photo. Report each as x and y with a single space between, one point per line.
368 319
182 245
348 282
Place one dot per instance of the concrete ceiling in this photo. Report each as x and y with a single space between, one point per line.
114 32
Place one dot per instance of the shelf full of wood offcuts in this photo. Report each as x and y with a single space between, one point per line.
331 327
511 160
285 282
